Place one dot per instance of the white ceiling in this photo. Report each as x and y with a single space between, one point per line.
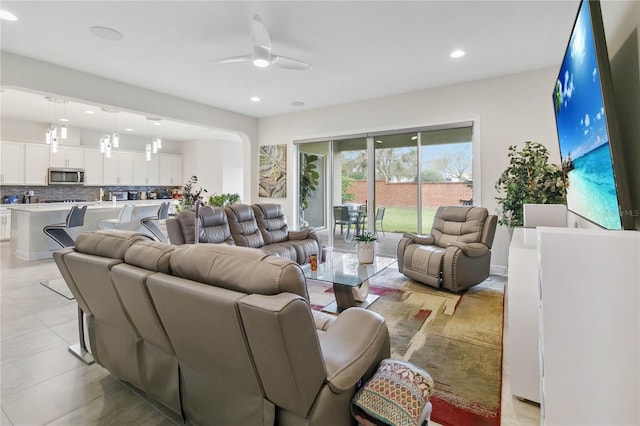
359 50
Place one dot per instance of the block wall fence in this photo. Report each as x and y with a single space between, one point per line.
405 194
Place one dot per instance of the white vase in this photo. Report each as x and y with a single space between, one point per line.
366 251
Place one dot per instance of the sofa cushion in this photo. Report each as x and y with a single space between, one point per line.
284 250
214 226
238 268
187 221
111 243
272 222
152 255
243 225
458 223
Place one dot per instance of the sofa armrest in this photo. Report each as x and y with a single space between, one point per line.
299 235
425 240
322 321
352 347
470 249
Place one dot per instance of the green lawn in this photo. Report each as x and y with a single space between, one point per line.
405 219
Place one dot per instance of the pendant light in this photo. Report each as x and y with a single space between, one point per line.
148 152
111 139
156 142
52 133
63 128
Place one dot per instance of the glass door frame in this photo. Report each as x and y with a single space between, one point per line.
370 149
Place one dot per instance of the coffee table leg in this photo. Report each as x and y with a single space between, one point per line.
344 296
345 299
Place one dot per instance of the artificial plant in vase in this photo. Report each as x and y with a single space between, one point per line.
529 179
366 246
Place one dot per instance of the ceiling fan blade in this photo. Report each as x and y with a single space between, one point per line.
232 59
289 63
259 34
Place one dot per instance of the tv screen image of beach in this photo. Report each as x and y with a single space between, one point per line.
582 129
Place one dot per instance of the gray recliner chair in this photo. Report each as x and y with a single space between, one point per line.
457 253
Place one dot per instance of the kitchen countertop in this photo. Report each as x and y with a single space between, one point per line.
48 207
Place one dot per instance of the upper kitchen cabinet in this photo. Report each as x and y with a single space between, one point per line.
118 170
170 169
93 167
36 161
12 160
145 172
67 156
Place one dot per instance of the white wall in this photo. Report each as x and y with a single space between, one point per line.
507 110
219 165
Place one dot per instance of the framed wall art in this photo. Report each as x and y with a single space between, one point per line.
273 171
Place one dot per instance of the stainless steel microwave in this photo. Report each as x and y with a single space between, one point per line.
66 176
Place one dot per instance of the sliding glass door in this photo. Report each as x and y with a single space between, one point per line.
389 183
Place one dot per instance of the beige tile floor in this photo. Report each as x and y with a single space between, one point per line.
41 383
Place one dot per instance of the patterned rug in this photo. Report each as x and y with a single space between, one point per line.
456 338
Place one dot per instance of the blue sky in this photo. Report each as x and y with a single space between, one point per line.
581 121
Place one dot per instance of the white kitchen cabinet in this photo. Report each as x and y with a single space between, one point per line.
145 172
36 162
118 170
93 167
12 162
5 224
170 169
67 156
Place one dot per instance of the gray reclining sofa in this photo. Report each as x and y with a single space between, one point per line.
219 334
260 226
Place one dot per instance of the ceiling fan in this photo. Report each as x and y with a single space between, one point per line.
262 56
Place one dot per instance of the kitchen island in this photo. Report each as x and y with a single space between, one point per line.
28 241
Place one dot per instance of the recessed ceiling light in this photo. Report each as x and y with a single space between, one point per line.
107 33
7 16
255 99
378 141
64 119
457 53
297 103
89 112
414 138
128 130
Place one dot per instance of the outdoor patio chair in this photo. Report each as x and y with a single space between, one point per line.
342 217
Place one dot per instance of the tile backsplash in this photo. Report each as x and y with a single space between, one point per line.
68 192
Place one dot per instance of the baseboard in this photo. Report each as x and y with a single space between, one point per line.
498 270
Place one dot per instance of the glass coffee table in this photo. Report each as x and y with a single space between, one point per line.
350 279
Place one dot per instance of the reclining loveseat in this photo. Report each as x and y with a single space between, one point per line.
260 226
219 334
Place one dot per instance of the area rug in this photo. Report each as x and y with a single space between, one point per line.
456 338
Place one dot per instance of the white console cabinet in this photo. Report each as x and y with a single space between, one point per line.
523 304
589 326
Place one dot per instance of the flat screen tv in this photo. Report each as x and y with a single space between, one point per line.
587 128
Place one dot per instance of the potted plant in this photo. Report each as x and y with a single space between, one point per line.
308 182
366 242
223 200
529 179
192 198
